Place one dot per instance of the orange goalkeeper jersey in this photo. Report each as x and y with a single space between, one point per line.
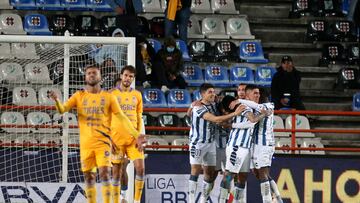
94 117
131 104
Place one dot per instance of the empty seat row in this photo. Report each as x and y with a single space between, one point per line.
36 73
304 142
356 102
82 5
335 53
316 8
220 77
46 140
341 30
18 51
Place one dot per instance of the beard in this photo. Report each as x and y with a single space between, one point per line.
92 83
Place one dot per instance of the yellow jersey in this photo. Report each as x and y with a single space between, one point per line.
94 116
132 105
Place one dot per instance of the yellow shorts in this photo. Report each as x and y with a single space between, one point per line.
93 158
129 151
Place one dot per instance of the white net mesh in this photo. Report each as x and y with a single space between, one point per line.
31 130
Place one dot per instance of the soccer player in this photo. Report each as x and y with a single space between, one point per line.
238 149
202 147
241 91
131 104
95 108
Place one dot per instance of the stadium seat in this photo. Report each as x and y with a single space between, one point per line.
143 26
5 4
228 92
11 24
200 6
214 28
241 74
196 95
36 24
39 118
169 120
155 44
356 102
286 142
301 123
353 54
252 52
98 5
23 4
201 51
180 142
13 118
238 28
25 139
44 98
5 96
85 26
58 24
194 30
51 5
301 8
156 141
11 73
316 30
51 139
278 123
187 121
75 5
163 4
348 78
154 98
37 73
314 143
5 52
149 120
179 98
225 51
107 25
223 6
181 45
58 119
264 75
157 27
151 6
217 75
24 51
193 75
24 96
342 31
332 54
329 8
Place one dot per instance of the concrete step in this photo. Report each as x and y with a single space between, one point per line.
280 35
288 45
320 70
299 58
265 9
326 83
346 106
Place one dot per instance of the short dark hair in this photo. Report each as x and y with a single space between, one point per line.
225 103
129 68
264 95
92 66
117 79
251 87
205 86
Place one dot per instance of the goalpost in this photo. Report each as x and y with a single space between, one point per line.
39 153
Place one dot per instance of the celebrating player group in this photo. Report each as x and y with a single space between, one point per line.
233 136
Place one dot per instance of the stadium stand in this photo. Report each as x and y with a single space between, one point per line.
156 141
50 5
24 51
39 118
5 4
201 6
225 51
143 26
98 5
58 24
238 28
316 30
348 78
286 142
44 98
11 24
201 51
223 6
342 31
155 44
194 29
72 118
279 124
13 118
85 26
353 54
169 120
36 24
24 96
75 5
312 142
11 73
180 142
217 75
151 6
154 98
193 75
37 73
213 28
356 102
181 45
157 28
196 95
332 54
301 123
252 52
179 98
241 74
264 75
107 25
5 52
23 4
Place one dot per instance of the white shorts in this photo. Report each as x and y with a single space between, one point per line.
220 159
203 154
261 156
237 159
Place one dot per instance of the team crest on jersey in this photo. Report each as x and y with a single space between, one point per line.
85 102
107 153
102 101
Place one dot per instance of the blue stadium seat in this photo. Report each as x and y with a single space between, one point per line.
98 5
196 95
36 24
356 102
23 4
241 74
193 75
181 45
60 23
51 5
252 52
179 98
75 5
264 75
217 75
155 44
154 98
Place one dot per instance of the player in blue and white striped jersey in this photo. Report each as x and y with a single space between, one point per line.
238 148
202 146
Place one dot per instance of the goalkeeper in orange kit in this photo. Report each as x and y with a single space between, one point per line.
130 101
95 109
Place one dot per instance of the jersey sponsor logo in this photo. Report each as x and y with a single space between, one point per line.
94 110
127 107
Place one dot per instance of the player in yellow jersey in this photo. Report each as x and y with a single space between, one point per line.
95 109
130 101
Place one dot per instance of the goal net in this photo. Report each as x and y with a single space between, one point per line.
38 145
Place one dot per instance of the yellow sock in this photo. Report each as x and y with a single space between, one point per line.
139 185
106 192
116 191
90 193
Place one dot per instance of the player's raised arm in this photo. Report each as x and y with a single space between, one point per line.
218 119
254 119
62 108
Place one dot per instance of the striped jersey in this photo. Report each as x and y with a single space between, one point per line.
221 137
201 130
241 137
264 129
